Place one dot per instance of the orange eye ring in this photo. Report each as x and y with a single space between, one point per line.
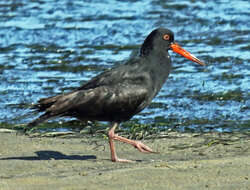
166 37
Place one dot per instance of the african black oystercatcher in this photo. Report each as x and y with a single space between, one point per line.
116 95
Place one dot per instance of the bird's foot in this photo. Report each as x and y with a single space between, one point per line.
137 144
142 147
122 160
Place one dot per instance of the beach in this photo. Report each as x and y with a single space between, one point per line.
73 162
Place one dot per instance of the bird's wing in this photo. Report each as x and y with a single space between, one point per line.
99 80
102 103
106 78
114 76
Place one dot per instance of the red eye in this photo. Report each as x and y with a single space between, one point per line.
166 37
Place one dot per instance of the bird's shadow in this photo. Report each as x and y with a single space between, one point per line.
51 155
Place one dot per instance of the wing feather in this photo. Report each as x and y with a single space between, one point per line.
119 102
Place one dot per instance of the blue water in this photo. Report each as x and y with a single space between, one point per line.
48 47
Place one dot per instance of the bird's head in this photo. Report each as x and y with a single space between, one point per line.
163 39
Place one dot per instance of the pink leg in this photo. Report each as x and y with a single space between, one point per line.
137 144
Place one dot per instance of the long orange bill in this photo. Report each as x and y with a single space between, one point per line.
178 49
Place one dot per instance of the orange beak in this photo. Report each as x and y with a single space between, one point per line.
178 49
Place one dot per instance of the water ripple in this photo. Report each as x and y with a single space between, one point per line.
47 47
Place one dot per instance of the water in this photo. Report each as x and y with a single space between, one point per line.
49 46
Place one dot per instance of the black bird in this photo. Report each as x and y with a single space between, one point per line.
116 95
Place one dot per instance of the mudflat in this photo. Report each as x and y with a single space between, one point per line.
73 162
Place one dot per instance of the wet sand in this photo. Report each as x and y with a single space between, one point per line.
186 161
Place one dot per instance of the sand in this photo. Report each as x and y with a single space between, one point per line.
67 162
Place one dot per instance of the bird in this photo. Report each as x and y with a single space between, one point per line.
119 93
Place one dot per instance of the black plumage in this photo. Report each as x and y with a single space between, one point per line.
117 94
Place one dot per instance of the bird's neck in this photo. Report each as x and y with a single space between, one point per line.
159 62
159 67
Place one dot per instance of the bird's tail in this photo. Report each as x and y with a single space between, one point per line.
42 106
39 120
45 103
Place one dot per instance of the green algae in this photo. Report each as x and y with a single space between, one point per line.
132 129
234 95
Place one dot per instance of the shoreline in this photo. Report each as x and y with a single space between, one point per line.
186 161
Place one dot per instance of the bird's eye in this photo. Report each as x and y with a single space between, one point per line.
166 37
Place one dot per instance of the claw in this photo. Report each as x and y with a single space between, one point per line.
142 147
122 160
137 144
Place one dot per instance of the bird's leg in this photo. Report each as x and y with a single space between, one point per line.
112 135
137 144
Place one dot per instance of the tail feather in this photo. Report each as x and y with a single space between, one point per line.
45 103
39 120
42 106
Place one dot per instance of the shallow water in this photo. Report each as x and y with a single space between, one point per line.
50 46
